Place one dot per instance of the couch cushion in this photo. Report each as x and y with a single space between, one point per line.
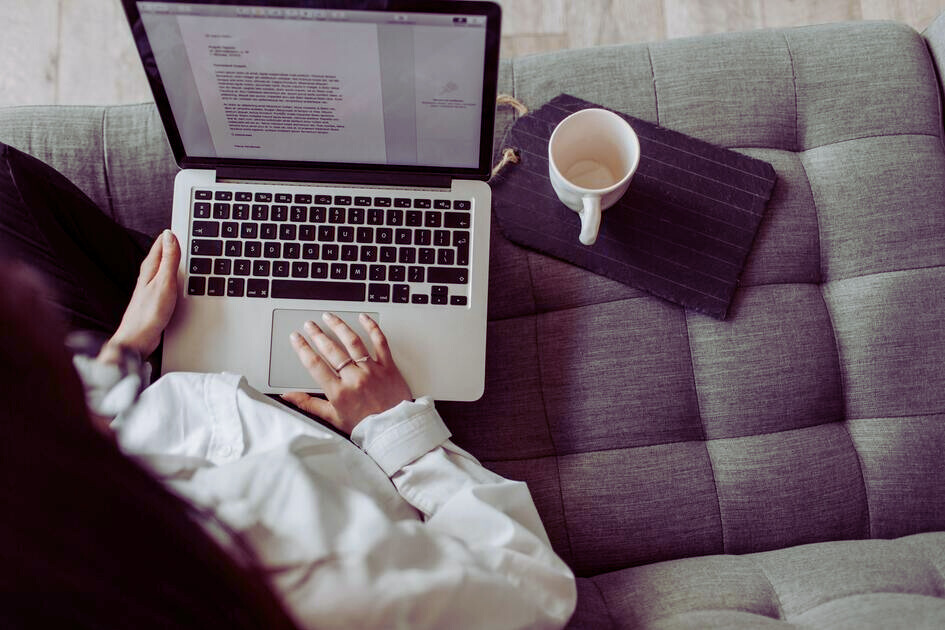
848 584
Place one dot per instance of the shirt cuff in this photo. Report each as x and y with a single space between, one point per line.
398 436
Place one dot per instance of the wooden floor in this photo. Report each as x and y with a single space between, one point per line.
80 51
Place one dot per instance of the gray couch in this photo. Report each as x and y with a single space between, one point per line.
782 468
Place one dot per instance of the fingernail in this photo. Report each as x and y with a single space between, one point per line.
329 317
311 327
168 237
295 337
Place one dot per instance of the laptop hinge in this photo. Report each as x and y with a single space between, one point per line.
393 179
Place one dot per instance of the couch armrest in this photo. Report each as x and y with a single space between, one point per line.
935 37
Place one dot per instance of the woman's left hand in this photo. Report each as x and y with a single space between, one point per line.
356 385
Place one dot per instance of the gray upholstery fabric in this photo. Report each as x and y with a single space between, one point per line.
698 473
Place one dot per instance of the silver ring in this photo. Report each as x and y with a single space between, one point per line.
363 359
343 364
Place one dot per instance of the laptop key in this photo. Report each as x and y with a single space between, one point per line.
400 202
222 267
196 285
342 200
280 268
300 269
461 204
442 204
401 294
319 270
279 213
303 198
221 210
378 293
458 300
382 202
414 218
261 268
240 211
263 197
216 286
206 247
223 195
456 220
423 204
318 290
420 298
205 228
257 287
235 287
202 210
447 275
203 194
397 273
244 196
283 198
339 271
323 199
243 267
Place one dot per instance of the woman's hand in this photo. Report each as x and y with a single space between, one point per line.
153 300
356 385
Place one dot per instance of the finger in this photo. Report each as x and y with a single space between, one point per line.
313 405
381 348
170 256
334 354
317 369
352 342
152 261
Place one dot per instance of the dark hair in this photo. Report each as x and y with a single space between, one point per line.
88 538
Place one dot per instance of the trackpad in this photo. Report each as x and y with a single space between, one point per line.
285 369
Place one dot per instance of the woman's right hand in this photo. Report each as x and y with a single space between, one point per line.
356 384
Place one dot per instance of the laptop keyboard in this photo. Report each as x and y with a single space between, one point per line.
408 250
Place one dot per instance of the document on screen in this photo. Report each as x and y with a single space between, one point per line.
293 90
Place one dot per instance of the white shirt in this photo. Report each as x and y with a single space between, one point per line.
407 531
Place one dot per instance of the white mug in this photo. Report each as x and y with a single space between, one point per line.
592 155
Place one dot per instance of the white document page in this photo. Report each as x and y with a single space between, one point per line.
288 89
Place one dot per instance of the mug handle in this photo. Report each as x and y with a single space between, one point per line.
590 219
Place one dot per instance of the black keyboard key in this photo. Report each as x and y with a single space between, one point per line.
252 249
302 198
416 274
203 194
307 233
342 200
329 251
349 252
268 231
291 250
201 210
460 237
223 195
310 290
422 237
458 300
221 211
326 233
287 232
400 202
235 287
407 255
244 196
369 253
233 249
382 202
298 213
442 204
222 266
445 257
196 285
310 251
337 215
240 211
216 286
419 298
378 293
396 273
462 255
384 236
317 214
362 201
283 198
395 217
231 229
257 287
260 212
243 267
414 218
356 216
438 299
249 230
460 204
456 220
427 255
375 216
448 275
323 199
365 235
378 273
319 270
263 197
441 238
272 249
205 228
345 234
279 213
206 247
339 271
433 219
423 204
261 268
401 294
388 254
403 236
300 269
439 290
280 268
358 272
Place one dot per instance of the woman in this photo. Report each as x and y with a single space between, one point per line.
226 507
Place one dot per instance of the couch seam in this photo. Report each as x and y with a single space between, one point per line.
705 434
108 187
656 98
787 46
603 598
777 596
544 409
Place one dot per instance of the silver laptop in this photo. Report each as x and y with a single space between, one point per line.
332 160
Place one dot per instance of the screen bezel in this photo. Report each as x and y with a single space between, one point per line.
333 171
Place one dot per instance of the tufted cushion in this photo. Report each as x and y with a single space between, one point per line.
656 439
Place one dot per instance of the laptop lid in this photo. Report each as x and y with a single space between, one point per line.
375 92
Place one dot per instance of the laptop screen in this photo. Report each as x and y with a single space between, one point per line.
265 82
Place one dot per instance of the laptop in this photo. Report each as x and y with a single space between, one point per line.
333 159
